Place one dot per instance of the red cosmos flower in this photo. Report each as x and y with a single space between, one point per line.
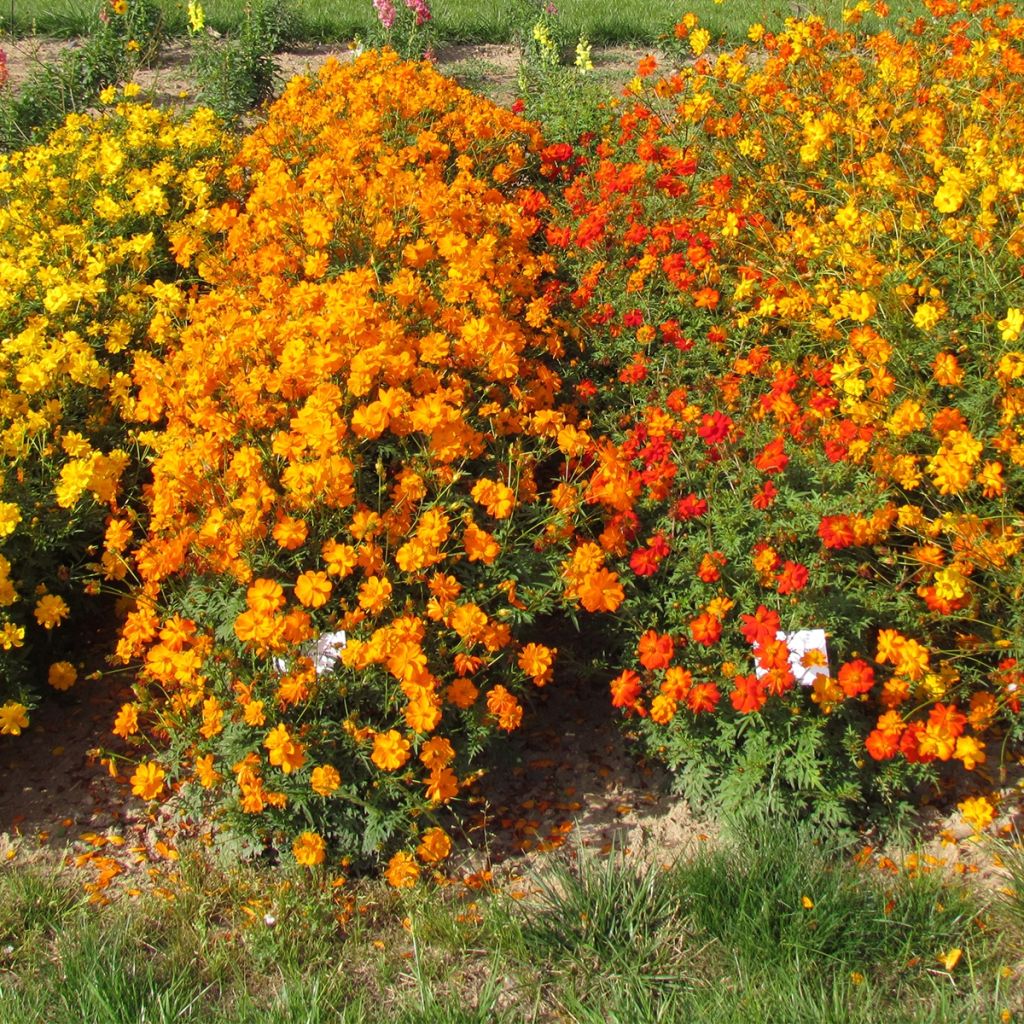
773 655
856 677
690 507
518 105
792 579
764 497
772 458
714 427
635 372
761 627
558 152
647 66
655 650
645 561
717 335
634 318
586 389
836 532
882 745
749 695
910 744
626 689
703 697
706 629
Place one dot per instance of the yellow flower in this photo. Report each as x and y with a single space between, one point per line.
1012 324
978 811
13 718
10 516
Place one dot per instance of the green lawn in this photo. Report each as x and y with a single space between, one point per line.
603 21
770 927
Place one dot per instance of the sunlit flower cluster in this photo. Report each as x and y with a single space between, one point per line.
88 221
802 262
350 436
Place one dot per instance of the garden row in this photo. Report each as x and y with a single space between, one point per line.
392 410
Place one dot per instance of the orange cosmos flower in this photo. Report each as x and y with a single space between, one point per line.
655 650
600 591
127 722
706 629
505 708
374 594
285 753
313 589
309 849
265 597
462 693
442 785
148 780
324 780
390 750
480 545
290 533
434 846
537 661
402 871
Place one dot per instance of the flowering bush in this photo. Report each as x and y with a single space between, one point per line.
357 466
799 269
88 225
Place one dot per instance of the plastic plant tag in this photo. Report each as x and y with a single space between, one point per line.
808 655
324 652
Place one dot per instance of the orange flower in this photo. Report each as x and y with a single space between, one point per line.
601 591
442 785
309 849
374 594
434 846
402 871
313 589
655 650
148 780
285 752
706 629
504 707
390 750
290 533
324 780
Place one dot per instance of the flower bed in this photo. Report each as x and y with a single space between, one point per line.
799 267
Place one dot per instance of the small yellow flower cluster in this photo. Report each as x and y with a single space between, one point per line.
88 225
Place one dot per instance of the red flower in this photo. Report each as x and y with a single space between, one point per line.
706 629
856 677
760 628
690 507
836 532
714 427
765 496
749 695
772 458
792 579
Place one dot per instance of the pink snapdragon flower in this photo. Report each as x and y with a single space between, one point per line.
385 12
420 8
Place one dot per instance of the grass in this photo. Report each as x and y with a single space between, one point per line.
724 936
638 22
